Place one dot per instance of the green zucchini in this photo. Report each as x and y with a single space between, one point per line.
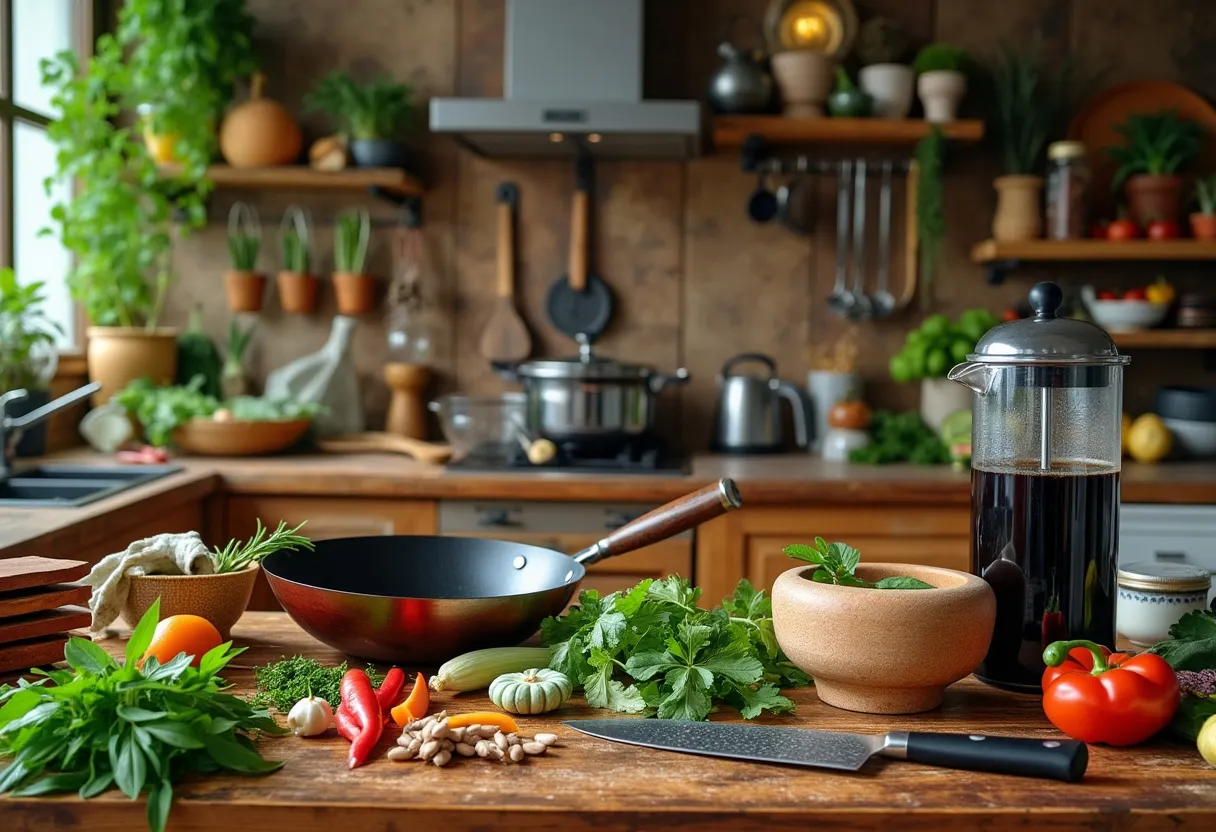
475 670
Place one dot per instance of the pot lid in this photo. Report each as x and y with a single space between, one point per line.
590 367
1047 338
1164 577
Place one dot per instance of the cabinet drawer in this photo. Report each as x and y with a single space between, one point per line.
765 560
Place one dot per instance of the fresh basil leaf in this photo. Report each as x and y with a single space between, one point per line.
764 698
688 697
214 660
133 714
901 582
97 784
34 716
823 576
169 670
64 781
230 754
13 774
160 800
141 636
735 662
152 752
853 580
175 734
83 654
130 768
608 630
20 702
847 556
222 724
645 666
801 551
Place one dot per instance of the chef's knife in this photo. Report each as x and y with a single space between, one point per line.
1053 759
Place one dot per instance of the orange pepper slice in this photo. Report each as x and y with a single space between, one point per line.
415 705
503 721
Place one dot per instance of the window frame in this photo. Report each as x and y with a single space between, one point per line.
88 15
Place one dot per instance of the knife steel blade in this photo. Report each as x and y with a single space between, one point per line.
1054 759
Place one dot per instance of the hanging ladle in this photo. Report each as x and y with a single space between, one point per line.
884 302
840 299
861 306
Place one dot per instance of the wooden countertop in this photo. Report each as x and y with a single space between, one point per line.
763 480
589 784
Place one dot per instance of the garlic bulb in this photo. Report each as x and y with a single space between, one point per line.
310 717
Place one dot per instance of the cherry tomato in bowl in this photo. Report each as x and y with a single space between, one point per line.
1107 294
1122 229
1163 230
1135 294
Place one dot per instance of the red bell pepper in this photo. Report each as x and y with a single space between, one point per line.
359 701
1097 696
389 693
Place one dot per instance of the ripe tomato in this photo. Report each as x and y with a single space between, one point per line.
1163 230
1107 294
1100 230
1122 230
1135 294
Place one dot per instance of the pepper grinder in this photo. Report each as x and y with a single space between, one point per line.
406 409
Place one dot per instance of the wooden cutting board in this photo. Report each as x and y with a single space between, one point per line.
41 624
38 599
23 573
36 652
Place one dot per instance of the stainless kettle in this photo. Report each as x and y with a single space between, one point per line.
749 409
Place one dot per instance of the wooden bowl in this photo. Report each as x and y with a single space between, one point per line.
221 599
884 651
208 437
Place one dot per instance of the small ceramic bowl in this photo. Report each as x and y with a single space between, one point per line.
221 599
884 651
1126 315
1153 596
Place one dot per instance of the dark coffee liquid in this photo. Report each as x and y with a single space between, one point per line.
1047 545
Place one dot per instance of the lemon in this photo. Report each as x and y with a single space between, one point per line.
1125 430
1149 440
1207 740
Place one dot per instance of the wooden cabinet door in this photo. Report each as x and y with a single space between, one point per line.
326 519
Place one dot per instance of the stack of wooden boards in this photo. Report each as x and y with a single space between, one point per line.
38 608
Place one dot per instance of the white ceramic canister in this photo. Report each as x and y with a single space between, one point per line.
1154 595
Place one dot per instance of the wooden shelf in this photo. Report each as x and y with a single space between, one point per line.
1064 250
302 177
1182 339
730 131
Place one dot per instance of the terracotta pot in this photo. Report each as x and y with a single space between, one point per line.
356 293
1153 198
805 79
884 651
118 355
890 86
297 292
1019 208
1203 226
245 290
221 599
939 397
940 92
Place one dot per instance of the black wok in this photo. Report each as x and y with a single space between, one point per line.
423 599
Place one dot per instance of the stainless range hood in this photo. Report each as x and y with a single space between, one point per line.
572 85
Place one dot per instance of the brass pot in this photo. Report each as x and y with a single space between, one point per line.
118 355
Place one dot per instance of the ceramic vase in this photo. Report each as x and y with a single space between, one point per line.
805 79
890 86
1019 208
940 92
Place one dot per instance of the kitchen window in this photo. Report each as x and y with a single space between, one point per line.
31 30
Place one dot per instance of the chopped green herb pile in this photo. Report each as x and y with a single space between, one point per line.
837 564
103 724
652 650
286 682
1191 650
901 437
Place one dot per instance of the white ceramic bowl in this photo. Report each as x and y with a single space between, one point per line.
1127 315
1197 439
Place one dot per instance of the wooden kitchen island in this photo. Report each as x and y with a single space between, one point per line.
589 784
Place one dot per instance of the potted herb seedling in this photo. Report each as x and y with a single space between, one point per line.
1158 146
1203 221
836 618
28 358
847 101
244 284
354 288
882 46
941 80
374 115
234 380
1029 103
297 285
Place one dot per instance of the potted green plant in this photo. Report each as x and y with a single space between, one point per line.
373 115
941 80
354 288
1029 102
297 285
1158 147
28 357
882 47
244 285
1203 221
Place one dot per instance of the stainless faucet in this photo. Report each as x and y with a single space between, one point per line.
11 427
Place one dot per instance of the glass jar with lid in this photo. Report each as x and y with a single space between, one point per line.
1153 596
1068 181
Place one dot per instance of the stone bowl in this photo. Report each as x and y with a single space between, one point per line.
884 651
221 599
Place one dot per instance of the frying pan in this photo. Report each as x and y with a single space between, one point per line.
580 303
422 599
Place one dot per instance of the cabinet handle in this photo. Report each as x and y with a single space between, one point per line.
497 518
1170 555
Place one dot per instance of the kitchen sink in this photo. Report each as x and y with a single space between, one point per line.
69 486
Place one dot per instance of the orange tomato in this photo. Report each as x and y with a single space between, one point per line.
191 634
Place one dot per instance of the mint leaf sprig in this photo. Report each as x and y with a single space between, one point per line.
837 564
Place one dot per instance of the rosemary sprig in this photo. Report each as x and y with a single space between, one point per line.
239 555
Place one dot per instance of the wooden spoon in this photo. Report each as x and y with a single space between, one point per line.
506 337
372 442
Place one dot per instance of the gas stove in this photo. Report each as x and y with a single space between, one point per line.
639 455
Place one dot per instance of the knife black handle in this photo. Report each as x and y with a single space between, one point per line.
1052 759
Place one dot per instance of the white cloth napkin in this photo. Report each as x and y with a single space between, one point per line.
164 554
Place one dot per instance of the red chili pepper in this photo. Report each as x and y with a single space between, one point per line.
359 699
390 691
1094 695
346 724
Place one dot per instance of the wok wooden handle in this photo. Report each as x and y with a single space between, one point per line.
667 521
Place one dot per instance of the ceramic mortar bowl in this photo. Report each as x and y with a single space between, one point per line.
221 599
884 651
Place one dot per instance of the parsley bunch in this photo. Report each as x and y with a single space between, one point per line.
652 649
1191 650
103 724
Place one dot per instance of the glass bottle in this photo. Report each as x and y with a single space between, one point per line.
1068 181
